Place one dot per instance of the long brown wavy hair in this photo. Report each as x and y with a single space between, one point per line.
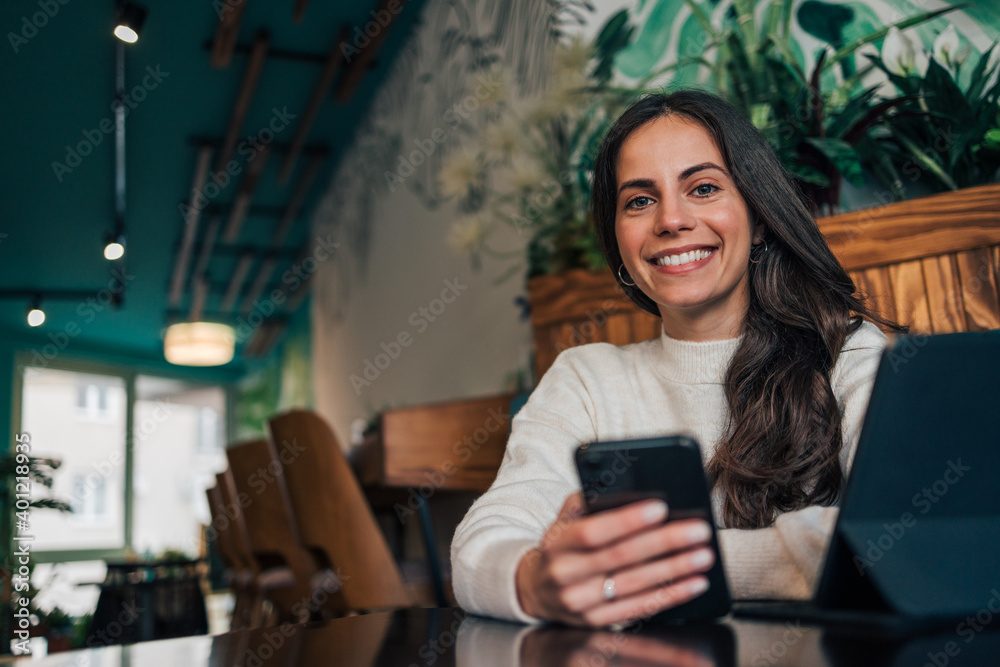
783 440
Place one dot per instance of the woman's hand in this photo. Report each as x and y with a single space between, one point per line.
653 565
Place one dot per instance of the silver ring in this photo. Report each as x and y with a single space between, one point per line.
609 589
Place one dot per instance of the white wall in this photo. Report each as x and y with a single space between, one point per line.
393 257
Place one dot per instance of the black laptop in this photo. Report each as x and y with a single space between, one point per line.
917 540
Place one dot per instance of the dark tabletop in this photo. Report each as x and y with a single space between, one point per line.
446 637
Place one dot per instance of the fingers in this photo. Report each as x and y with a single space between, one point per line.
573 507
650 544
610 526
646 577
645 604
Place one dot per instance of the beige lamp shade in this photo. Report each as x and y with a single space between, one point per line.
199 344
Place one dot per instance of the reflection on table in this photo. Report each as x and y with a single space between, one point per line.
447 637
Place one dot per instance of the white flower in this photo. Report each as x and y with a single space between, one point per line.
460 171
900 57
468 234
504 137
946 47
572 57
525 173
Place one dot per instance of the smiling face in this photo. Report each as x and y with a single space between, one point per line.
683 229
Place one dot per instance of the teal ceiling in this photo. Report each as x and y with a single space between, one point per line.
58 87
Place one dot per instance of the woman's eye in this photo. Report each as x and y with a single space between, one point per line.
638 202
705 189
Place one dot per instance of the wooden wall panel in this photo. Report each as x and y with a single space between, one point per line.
619 328
575 295
978 272
944 294
645 326
876 286
545 350
455 445
910 295
925 227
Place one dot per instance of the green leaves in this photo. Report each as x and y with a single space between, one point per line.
842 155
940 134
616 35
826 128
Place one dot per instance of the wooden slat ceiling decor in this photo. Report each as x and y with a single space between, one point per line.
251 269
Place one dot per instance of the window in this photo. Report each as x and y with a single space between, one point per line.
179 446
93 401
145 496
210 437
90 497
72 417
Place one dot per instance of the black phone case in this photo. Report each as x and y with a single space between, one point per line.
617 473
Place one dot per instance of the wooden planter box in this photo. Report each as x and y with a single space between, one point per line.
932 263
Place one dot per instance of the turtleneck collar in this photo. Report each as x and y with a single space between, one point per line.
695 362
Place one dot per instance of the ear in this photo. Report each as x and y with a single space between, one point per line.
758 233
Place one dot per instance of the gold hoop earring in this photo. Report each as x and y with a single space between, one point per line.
757 261
622 280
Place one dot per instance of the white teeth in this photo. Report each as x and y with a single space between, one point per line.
683 258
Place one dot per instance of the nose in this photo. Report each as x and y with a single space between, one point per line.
672 216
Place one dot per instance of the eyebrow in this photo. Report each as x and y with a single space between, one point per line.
690 171
687 173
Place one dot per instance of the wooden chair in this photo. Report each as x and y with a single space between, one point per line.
269 589
334 517
272 529
242 572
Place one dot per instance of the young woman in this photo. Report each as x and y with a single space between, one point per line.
764 356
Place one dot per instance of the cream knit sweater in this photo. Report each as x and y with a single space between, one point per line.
657 387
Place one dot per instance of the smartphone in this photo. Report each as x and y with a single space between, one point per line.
617 473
